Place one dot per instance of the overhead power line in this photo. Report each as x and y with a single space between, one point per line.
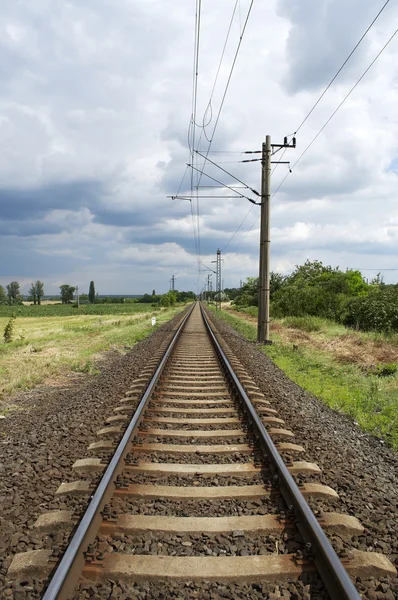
228 173
335 111
223 184
342 67
192 128
324 125
346 96
193 121
337 74
228 82
217 74
246 234
238 229
196 74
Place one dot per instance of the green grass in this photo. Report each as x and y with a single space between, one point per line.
306 323
247 310
46 350
68 310
371 400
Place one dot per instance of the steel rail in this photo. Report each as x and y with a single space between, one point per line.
335 578
72 561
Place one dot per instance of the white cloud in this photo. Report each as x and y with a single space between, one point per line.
94 110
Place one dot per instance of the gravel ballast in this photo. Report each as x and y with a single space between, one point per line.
40 442
359 467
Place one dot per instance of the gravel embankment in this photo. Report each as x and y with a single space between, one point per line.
362 470
40 442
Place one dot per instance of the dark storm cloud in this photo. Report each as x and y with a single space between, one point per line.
321 37
94 111
208 244
22 210
24 261
28 228
21 204
142 212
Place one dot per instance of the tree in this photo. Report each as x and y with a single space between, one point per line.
185 296
13 294
3 297
248 294
153 293
232 293
39 287
276 281
32 293
67 292
91 293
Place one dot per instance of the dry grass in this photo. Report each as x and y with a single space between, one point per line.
346 369
350 347
346 346
45 350
43 302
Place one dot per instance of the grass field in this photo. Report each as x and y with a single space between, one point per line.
54 309
45 350
342 367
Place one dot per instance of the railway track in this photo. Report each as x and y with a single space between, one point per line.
196 485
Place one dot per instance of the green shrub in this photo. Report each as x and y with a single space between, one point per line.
8 330
247 310
307 323
378 311
383 369
87 367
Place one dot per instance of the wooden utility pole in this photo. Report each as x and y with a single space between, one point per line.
265 238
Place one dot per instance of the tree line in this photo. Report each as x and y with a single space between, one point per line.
318 290
12 294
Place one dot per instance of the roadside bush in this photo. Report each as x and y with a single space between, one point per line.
378 311
165 300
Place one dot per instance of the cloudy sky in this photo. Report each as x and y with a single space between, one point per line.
95 106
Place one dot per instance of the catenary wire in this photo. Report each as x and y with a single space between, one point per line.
337 74
218 70
223 184
345 97
324 125
228 82
238 229
193 121
342 66
228 173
